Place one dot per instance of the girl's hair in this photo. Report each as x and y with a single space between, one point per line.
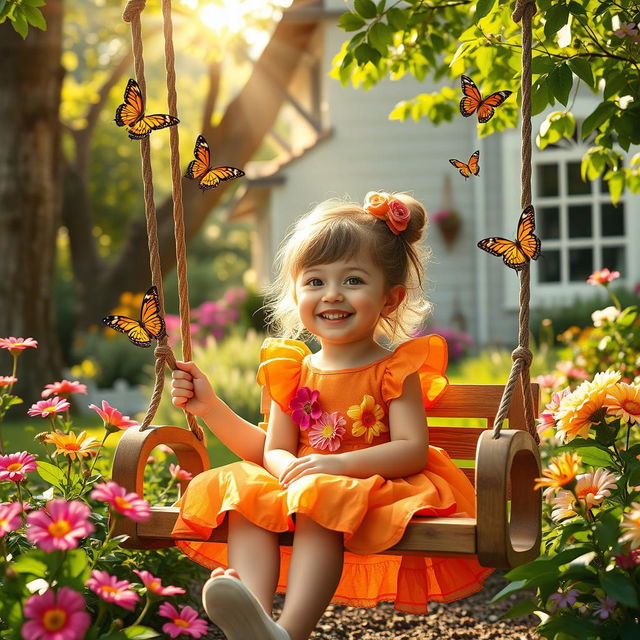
337 230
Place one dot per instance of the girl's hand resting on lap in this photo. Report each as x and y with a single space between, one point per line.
307 465
191 389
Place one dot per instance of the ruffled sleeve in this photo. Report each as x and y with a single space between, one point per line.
427 356
279 370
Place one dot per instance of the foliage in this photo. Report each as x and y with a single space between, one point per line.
592 43
21 14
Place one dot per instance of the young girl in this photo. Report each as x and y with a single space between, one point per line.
345 462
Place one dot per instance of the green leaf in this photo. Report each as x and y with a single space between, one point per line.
34 17
365 53
560 83
356 40
365 8
624 321
350 21
614 83
620 587
51 474
2 5
30 564
539 95
576 9
20 24
542 566
582 69
556 17
379 37
630 630
140 633
483 8
597 117
519 609
397 18
513 587
567 623
616 181
607 530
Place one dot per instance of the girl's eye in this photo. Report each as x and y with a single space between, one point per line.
315 282
354 280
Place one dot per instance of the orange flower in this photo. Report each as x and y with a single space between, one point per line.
377 204
623 401
367 418
72 445
561 471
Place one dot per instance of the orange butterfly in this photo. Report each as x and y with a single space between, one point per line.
200 168
473 101
131 114
527 245
149 327
467 169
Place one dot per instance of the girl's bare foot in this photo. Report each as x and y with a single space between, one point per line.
224 572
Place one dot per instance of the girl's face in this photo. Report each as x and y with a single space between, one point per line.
343 301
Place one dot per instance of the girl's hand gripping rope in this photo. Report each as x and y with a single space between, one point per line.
191 389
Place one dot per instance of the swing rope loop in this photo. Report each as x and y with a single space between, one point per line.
522 357
163 353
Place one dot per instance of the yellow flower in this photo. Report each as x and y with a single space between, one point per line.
603 382
72 445
631 525
623 401
563 505
367 418
561 471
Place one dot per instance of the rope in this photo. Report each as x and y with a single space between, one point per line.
521 356
163 353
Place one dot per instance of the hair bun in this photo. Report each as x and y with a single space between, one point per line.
416 227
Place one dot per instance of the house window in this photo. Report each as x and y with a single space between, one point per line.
581 230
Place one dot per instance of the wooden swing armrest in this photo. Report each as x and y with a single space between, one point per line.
130 461
506 540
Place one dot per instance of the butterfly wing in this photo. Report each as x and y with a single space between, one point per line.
464 169
214 177
132 109
488 105
147 124
528 242
150 316
198 167
507 249
474 167
472 97
133 329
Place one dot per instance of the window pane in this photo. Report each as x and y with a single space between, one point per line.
580 264
548 222
575 186
549 266
548 180
580 223
604 186
612 219
615 259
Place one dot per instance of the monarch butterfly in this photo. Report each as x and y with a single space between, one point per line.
526 246
150 326
200 168
467 169
473 101
131 114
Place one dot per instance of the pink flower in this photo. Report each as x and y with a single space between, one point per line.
46 408
9 517
626 29
562 600
60 525
305 407
184 622
15 345
628 560
605 608
549 381
636 289
55 616
110 589
567 368
7 381
398 216
154 585
327 432
179 473
126 504
112 418
15 466
64 387
603 277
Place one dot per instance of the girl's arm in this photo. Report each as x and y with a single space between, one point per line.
281 444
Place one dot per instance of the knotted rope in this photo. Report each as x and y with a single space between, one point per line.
521 355
163 353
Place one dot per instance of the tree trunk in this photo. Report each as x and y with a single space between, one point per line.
30 194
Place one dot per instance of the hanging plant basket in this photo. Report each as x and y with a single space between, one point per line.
450 223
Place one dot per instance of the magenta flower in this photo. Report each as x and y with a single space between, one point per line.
64 388
55 616
184 622
112 418
626 561
126 504
327 432
60 525
567 368
9 517
46 408
305 407
178 473
15 466
7 381
15 345
154 585
603 277
110 589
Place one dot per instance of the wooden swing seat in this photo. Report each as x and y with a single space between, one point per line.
505 533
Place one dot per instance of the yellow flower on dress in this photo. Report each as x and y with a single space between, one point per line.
367 418
623 401
561 471
72 445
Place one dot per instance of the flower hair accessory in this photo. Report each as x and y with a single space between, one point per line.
385 207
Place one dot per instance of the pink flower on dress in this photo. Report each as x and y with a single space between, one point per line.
604 277
110 589
305 407
327 432
9 517
60 525
179 473
185 621
7 381
154 585
55 616
126 504
15 345
112 418
46 408
15 466
64 388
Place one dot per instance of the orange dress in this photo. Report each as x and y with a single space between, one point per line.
340 411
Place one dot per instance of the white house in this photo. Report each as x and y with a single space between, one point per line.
344 145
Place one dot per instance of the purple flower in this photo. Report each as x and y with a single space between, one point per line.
305 407
562 600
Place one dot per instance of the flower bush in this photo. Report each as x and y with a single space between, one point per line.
63 574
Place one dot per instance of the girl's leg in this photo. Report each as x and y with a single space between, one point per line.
314 574
255 554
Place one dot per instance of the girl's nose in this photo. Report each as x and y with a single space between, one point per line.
332 293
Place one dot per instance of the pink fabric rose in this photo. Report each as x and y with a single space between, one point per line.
305 407
398 216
